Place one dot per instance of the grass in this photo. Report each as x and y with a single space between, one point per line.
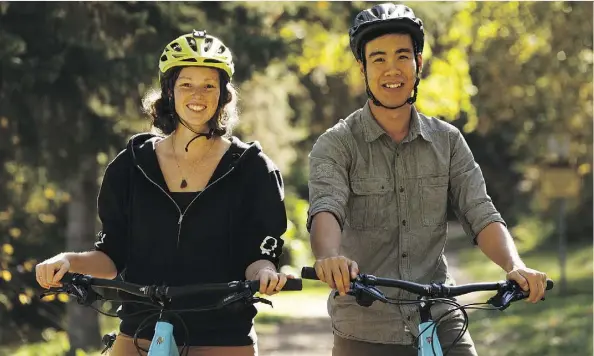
560 325
57 342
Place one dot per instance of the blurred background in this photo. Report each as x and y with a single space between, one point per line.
515 77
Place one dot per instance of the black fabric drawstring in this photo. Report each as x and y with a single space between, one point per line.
208 135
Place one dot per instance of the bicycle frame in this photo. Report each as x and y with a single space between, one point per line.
163 342
428 345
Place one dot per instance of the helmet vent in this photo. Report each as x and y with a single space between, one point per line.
192 43
176 47
207 44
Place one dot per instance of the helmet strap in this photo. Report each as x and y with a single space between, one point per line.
411 100
175 116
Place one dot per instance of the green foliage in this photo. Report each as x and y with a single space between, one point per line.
296 238
560 325
72 76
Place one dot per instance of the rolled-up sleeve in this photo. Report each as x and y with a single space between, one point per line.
111 205
266 218
468 192
329 162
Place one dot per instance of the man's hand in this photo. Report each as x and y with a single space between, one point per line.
530 280
337 272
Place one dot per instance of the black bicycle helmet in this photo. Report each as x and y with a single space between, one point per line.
381 19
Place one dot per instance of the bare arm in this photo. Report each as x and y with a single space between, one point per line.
481 220
497 244
325 235
331 267
95 263
271 282
253 269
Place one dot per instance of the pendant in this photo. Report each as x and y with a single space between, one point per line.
183 184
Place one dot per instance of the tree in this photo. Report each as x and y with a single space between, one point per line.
59 105
72 78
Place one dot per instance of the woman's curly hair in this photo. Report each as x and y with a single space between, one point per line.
160 106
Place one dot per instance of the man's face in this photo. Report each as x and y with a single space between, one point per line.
391 68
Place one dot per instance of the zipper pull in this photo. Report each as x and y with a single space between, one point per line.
181 217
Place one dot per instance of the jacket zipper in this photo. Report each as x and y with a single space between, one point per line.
182 214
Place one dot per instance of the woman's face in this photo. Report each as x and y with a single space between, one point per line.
196 94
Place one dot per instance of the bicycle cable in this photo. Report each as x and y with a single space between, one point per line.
466 320
144 324
436 322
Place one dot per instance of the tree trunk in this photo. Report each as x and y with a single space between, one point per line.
83 322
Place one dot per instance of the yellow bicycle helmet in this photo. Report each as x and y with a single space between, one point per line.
197 49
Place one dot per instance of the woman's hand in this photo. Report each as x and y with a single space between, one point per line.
271 282
49 272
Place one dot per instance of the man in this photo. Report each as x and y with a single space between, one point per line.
379 186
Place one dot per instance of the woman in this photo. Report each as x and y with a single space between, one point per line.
191 206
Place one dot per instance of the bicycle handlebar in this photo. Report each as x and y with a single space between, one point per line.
154 292
508 291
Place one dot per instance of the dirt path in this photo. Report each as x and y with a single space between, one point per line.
307 331
297 337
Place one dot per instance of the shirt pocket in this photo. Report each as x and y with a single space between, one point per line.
434 200
369 203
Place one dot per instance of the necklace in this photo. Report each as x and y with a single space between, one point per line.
184 182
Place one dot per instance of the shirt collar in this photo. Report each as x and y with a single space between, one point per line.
372 130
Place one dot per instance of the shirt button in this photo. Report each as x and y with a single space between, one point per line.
403 222
401 189
405 255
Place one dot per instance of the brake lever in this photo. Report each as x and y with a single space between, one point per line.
511 292
247 296
84 296
364 295
254 300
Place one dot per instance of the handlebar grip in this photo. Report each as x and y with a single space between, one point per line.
550 284
293 285
309 273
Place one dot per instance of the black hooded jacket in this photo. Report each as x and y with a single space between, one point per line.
158 237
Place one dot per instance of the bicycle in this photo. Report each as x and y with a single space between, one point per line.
163 342
365 293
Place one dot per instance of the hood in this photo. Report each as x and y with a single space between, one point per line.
142 150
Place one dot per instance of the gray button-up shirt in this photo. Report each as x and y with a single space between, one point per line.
390 200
